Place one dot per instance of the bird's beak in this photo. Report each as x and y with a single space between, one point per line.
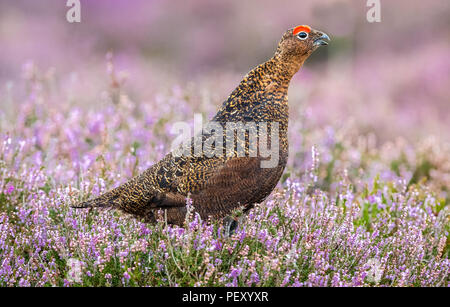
322 40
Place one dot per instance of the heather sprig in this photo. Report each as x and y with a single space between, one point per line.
349 211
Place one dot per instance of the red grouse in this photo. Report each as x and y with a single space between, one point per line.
219 183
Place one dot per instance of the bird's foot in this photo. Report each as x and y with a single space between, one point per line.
230 225
231 222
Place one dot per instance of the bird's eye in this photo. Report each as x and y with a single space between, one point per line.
302 35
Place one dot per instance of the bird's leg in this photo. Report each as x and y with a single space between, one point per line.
229 225
231 222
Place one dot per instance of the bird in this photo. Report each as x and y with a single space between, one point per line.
216 185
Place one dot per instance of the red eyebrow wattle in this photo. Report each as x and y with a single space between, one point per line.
300 29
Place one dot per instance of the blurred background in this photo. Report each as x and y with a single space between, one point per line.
86 106
390 78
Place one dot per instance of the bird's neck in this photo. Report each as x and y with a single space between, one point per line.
274 74
271 77
285 66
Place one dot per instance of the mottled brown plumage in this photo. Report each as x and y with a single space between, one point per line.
217 185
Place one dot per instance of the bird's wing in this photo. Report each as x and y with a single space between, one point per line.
216 185
235 182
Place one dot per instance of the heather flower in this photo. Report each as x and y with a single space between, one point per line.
375 270
356 206
9 189
74 274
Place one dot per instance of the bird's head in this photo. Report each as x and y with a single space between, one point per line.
298 43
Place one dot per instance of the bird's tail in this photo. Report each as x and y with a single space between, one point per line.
108 199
